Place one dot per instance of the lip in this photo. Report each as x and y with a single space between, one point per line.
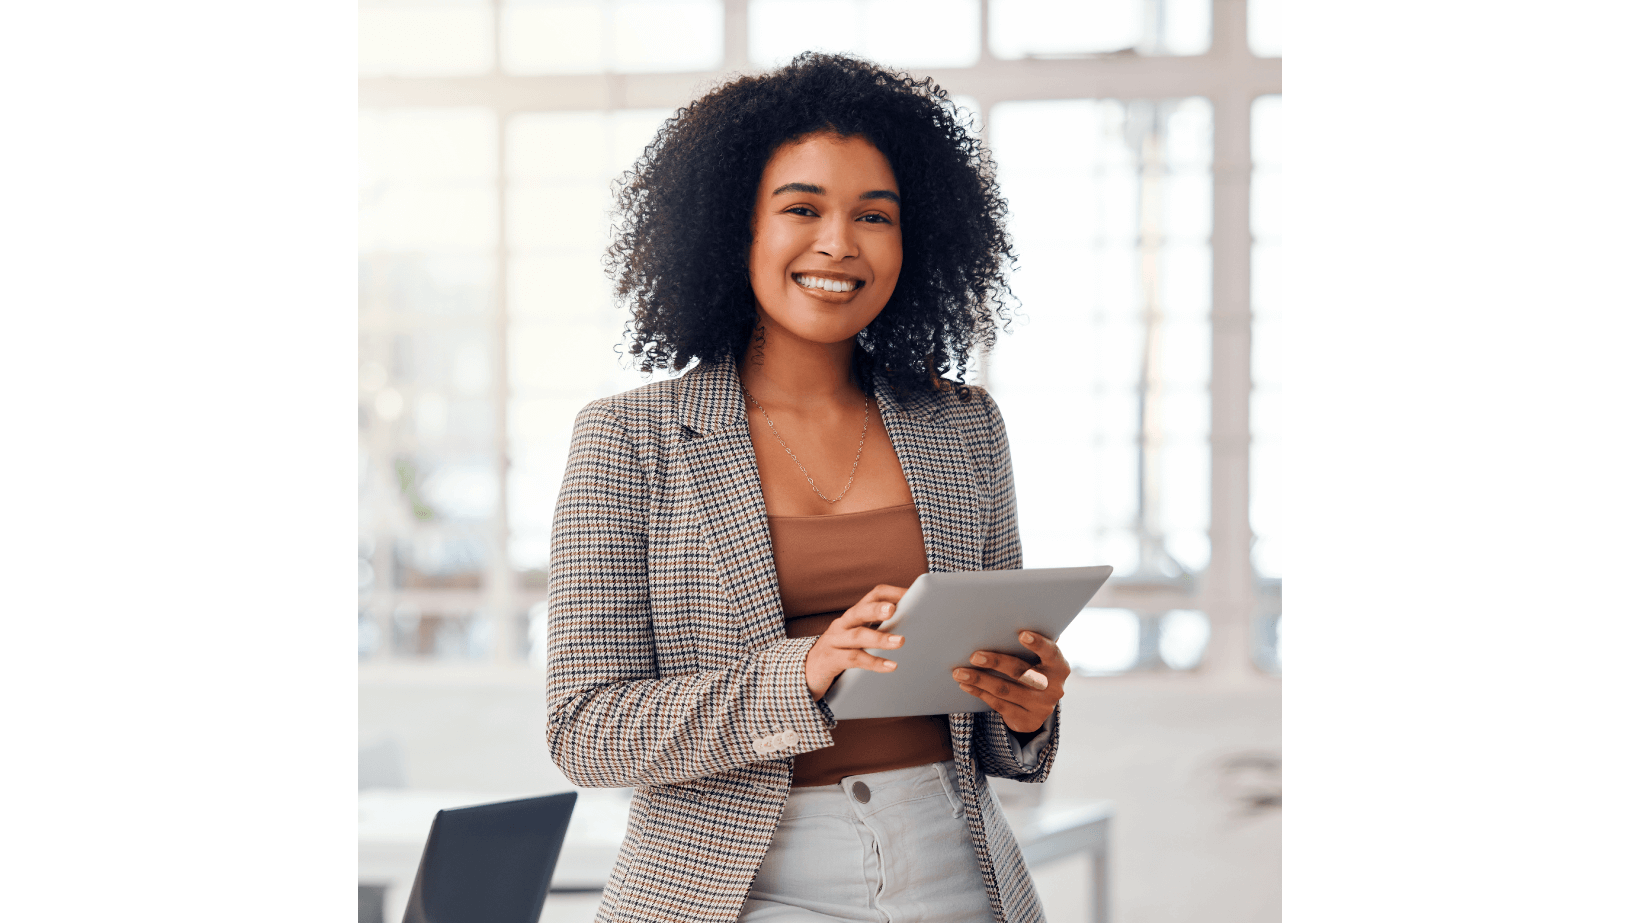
823 295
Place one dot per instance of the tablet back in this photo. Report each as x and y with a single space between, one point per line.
944 619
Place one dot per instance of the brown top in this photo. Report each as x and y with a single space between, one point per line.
825 564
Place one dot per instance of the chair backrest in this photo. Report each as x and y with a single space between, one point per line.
490 863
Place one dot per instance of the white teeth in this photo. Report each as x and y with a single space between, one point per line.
828 285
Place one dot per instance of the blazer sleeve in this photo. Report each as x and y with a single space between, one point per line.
999 754
612 719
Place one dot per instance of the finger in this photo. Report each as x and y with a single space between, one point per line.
1004 689
1053 661
882 592
1013 715
863 613
1013 667
869 637
863 660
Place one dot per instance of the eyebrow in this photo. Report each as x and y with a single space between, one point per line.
812 189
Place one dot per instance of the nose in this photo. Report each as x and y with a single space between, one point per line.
836 237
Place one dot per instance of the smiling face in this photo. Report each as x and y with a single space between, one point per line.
825 249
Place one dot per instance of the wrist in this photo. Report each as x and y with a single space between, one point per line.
814 678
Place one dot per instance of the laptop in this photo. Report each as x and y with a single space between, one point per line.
490 863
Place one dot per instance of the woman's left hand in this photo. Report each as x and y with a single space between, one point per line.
1028 696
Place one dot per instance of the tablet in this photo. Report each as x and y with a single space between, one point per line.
944 619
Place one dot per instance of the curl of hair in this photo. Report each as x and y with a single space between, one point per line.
683 214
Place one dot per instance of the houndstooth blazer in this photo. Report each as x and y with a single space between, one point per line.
669 669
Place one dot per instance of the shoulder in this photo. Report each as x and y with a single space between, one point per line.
970 410
643 414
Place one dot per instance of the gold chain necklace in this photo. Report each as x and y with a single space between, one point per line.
864 425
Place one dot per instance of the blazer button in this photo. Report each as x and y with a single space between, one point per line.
862 792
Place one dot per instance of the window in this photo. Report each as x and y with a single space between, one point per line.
909 33
1061 28
1112 204
1264 27
563 325
590 37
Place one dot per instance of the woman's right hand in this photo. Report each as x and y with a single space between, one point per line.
841 645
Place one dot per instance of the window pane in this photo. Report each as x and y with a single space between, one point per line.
1184 637
1060 28
778 30
1187 26
589 37
427 180
427 145
1267 137
552 37
1021 28
429 39
1101 641
668 35
1264 28
1115 286
895 33
922 33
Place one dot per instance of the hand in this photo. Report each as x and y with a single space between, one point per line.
841 645
1028 696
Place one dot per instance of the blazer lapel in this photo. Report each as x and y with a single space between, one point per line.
722 470
943 482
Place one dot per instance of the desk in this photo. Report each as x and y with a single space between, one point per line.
393 825
1047 833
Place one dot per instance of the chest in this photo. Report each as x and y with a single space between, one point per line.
831 464
712 584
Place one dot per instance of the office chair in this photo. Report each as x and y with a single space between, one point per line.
490 863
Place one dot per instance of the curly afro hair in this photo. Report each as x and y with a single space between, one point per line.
683 220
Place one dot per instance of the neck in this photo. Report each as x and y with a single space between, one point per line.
780 368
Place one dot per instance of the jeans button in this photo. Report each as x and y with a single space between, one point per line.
862 792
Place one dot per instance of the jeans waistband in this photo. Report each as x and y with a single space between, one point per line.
886 789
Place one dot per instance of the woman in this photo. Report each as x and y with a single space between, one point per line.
826 241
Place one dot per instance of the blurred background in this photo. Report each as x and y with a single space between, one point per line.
1139 145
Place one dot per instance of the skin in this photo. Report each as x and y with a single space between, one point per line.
828 207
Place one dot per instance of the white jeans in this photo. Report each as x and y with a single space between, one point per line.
885 847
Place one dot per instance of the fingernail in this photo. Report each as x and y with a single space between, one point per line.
977 660
1034 679
895 640
887 608
964 675
1027 637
